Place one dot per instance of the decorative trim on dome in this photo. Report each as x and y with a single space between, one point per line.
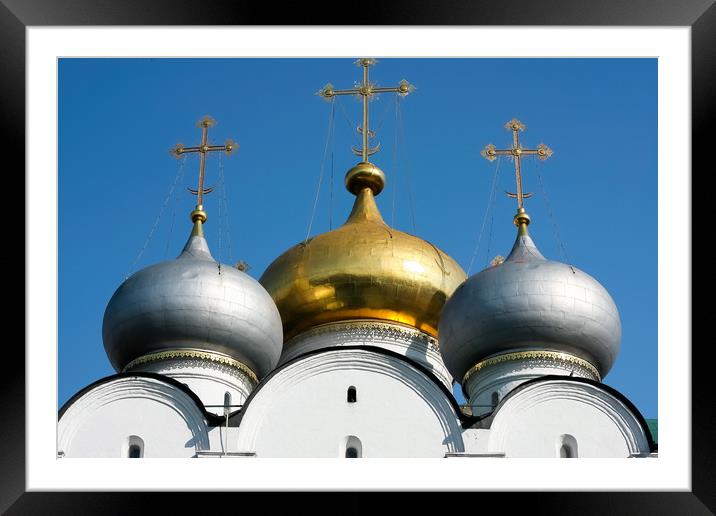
369 330
553 356
173 354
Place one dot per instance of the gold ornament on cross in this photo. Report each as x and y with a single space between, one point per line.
366 89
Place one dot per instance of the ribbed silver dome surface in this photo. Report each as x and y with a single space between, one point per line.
193 302
529 303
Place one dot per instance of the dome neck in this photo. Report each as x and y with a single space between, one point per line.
364 208
521 220
196 247
197 229
524 248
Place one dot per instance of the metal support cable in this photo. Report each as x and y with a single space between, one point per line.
488 209
489 241
182 168
329 137
351 125
408 169
383 117
330 202
179 174
220 224
224 219
553 220
395 166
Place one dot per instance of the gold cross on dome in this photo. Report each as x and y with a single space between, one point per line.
542 152
203 149
366 89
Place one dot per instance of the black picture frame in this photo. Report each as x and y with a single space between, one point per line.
700 15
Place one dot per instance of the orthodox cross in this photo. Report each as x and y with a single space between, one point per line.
366 89
542 152
203 149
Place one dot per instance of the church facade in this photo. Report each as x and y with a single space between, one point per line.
350 342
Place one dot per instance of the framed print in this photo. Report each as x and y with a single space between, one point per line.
48 52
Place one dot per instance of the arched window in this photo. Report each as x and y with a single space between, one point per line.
134 447
352 395
351 447
567 447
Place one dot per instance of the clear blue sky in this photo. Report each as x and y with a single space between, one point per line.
119 117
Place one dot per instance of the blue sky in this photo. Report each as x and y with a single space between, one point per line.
118 118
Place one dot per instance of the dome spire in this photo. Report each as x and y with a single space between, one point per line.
522 219
365 174
198 215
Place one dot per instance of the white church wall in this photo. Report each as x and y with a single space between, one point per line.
303 410
113 416
560 417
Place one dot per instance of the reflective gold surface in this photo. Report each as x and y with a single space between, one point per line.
362 270
365 175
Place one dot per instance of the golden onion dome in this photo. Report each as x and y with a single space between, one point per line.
362 270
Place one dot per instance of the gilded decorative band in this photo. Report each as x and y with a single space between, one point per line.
556 356
172 354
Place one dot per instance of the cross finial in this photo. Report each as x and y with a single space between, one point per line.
199 215
366 89
516 151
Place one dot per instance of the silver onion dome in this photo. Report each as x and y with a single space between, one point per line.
193 302
529 303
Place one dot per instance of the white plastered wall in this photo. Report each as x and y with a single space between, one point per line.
535 420
302 411
101 422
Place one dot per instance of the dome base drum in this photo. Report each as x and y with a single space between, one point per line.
192 354
487 382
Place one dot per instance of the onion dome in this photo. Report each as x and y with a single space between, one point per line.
193 302
529 303
362 270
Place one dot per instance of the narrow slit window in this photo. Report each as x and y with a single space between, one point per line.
352 395
351 447
133 447
227 403
567 445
